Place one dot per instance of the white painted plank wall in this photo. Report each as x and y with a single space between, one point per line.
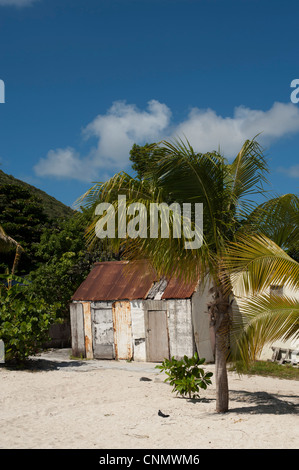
138 330
181 340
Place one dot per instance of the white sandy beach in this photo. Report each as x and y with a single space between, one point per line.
104 405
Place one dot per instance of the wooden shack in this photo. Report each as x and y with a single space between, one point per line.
124 311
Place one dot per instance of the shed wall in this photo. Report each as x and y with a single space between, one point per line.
77 329
203 333
97 333
122 325
180 328
138 330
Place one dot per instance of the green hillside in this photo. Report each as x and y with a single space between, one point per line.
53 208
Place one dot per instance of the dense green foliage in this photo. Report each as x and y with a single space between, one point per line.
143 159
53 263
24 322
185 375
66 262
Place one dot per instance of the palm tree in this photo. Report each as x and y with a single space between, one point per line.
6 244
226 191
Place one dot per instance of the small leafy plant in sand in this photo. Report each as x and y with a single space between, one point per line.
185 375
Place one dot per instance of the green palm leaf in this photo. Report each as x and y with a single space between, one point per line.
246 175
278 218
256 262
261 320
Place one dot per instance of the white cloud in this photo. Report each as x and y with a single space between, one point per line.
115 132
292 171
208 131
124 124
65 163
17 3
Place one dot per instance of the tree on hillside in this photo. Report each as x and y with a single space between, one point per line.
65 261
226 191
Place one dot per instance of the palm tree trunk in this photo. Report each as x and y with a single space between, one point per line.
221 352
17 258
220 319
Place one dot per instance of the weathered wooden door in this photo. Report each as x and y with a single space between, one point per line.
122 324
157 336
102 332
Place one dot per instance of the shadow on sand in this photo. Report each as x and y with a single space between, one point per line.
259 403
35 365
263 403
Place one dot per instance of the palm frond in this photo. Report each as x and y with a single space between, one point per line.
260 320
246 175
278 218
168 253
190 177
255 262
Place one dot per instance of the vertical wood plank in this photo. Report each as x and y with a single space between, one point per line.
87 330
122 325
77 329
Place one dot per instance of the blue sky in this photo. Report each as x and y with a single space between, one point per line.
85 79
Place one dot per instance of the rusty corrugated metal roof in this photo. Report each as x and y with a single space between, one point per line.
116 280
121 280
179 289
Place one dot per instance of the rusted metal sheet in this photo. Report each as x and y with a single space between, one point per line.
117 280
87 330
122 325
177 288
121 280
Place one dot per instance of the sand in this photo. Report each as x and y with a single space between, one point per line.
68 404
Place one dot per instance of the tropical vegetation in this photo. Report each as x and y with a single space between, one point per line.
24 322
247 247
43 259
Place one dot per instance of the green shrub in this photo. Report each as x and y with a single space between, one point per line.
24 323
185 375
